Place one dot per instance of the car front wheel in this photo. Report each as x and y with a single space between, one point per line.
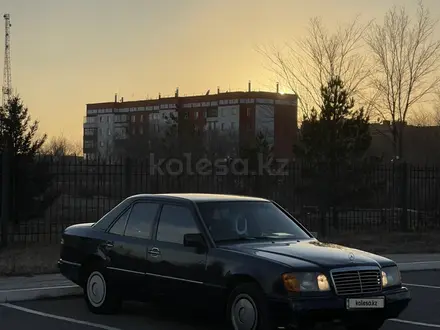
247 308
100 297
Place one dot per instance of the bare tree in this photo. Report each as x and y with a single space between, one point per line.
60 146
425 117
406 58
308 63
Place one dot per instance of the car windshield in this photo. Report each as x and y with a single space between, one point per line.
233 221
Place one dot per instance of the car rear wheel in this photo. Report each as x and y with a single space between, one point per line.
247 308
100 297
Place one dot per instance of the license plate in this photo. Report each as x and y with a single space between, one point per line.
365 303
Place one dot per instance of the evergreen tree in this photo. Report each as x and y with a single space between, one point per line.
332 145
29 177
337 133
17 129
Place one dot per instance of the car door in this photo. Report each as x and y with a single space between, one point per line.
130 237
178 270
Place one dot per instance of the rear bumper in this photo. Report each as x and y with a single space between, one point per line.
70 270
333 309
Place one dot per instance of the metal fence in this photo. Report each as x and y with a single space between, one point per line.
82 191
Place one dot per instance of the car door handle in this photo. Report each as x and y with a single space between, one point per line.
154 252
109 244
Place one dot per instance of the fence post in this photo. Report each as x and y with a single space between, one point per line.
126 176
404 177
6 188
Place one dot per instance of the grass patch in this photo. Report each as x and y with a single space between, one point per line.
29 259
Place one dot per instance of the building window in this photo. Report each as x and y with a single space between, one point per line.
133 118
185 115
142 118
133 131
89 120
100 131
101 143
108 119
141 130
100 119
232 125
248 112
223 126
89 131
212 112
196 115
109 132
234 111
89 144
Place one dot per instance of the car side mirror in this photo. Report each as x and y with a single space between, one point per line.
194 240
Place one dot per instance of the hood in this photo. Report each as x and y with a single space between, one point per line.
325 255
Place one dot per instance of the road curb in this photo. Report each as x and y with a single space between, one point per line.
39 293
419 266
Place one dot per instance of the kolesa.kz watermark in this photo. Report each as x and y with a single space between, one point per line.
205 166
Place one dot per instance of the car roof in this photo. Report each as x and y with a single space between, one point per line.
203 197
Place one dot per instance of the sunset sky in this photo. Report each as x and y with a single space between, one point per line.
69 53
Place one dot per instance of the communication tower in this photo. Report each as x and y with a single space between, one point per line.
7 81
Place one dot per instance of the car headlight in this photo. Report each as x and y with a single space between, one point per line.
391 276
305 282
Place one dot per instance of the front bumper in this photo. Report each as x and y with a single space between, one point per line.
333 309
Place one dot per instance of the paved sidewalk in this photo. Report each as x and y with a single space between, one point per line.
55 285
36 287
39 281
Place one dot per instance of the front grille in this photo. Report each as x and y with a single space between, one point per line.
349 282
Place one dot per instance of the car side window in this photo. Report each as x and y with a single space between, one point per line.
174 222
119 226
140 222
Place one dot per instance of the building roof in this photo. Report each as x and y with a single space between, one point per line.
193 98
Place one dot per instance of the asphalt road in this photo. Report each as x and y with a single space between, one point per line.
71 314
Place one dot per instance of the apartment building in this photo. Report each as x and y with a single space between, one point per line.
240 115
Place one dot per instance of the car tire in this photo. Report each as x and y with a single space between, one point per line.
101 298
247 309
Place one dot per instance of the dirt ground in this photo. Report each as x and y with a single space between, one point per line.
32 259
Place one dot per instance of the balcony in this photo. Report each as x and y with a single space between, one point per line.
89 122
